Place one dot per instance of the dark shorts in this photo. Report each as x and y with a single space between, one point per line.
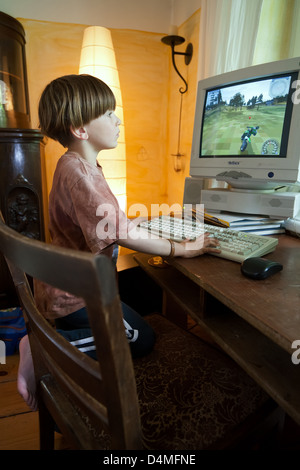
75 328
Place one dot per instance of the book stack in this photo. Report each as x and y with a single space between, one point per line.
259 225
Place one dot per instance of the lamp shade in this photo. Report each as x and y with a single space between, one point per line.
98 59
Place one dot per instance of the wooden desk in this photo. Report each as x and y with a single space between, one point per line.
255 322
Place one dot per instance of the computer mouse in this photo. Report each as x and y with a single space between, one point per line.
260 268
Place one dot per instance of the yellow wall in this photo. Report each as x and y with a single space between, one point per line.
150 100
190 31
144 76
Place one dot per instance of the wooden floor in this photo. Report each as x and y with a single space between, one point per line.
18 424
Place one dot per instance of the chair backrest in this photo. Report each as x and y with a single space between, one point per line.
104 390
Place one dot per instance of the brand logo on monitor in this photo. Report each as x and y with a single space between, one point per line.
233 162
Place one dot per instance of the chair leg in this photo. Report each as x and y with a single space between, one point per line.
47 428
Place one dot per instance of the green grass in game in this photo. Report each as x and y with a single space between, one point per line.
225 125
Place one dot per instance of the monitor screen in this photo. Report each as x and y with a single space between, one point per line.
248 118
247 126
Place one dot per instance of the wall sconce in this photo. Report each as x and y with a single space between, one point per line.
98 59
173 40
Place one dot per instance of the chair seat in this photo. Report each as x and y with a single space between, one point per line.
192 396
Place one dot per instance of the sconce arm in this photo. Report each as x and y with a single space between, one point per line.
174 41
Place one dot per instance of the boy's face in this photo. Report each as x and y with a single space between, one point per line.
103 132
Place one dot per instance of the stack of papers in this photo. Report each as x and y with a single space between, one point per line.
248 223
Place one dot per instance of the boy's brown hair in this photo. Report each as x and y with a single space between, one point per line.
72 101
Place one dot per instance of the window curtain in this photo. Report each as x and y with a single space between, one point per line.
228 31
278 35
239 33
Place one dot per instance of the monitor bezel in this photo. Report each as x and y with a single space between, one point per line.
285 169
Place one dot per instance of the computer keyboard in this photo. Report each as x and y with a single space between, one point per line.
234 245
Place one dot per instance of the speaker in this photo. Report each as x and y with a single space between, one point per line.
192 190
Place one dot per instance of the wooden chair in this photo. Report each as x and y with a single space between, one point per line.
184 395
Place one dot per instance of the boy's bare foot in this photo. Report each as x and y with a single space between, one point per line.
26 379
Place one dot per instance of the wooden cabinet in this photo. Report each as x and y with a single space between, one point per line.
22 173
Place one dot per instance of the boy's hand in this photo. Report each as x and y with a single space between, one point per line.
202 244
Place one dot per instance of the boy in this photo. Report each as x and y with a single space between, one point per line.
78 112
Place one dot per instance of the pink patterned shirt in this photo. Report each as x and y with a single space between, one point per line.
83 215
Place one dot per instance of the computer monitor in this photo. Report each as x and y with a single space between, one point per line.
247 127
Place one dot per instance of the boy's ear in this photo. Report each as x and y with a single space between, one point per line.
80 133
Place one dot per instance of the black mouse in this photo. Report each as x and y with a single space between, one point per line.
260 268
